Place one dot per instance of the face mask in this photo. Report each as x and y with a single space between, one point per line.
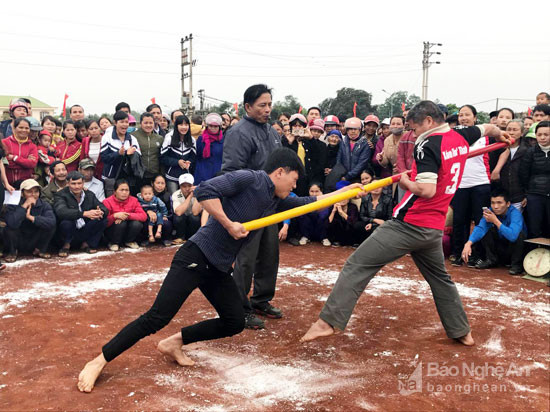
396 130
131 129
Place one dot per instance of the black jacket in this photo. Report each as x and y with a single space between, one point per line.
44 217
534 172
509 175
383 210
66 206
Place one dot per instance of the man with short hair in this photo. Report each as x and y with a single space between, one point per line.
150 144
156 111
313 113
58 171
247 145
417 226
76 112
187 211
87 168
541 112
543 98
226 121
81 217
501 231
125 107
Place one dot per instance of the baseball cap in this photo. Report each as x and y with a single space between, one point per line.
372 118
29 184
186 178
86 163
443 108
386 121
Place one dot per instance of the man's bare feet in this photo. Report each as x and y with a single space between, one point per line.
466 339
317 330
171 347
90 373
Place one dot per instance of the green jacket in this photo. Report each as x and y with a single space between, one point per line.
149 145
49 191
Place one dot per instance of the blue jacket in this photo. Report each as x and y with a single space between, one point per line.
512 225
207 168
155 205
169 157
44 218
356 160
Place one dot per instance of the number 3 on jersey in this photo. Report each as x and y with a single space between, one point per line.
455 172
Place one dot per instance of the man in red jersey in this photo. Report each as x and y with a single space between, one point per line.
416 228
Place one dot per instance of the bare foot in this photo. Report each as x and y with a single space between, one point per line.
171 347
466 339
90 373
317 330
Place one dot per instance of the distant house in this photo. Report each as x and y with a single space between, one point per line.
39 108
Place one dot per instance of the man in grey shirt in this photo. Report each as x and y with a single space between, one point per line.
247 145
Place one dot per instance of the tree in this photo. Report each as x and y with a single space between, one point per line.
289 105
452 108
393 104
342 104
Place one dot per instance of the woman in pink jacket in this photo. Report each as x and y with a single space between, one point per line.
22 154
125 218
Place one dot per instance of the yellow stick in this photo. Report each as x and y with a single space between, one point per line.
319 204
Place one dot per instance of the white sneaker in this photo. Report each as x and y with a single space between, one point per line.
326 242
132 245
113 247
303 241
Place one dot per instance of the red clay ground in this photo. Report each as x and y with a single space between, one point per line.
56 315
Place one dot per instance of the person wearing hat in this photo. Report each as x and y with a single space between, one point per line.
35 129
22 154
150 144
30 225
164 123
317 129
209 149
87 168
371 124
333 140
187 211
18 108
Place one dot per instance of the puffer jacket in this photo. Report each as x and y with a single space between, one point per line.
130 205
20 167
356 160
534 171
44 217
509 176
248 144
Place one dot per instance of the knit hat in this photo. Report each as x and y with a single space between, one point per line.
213 119
336 132
317 124
341 184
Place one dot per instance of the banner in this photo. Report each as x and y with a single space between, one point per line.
153 100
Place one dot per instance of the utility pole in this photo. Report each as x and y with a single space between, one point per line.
187 60
426 54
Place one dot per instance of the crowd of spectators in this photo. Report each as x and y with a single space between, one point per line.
123 182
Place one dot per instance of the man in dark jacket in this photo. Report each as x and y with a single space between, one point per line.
247 146
82 218
30 225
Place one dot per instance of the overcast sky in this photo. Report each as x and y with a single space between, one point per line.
100 52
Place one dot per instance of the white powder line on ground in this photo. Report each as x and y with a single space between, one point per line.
247 378
493 346
532 310
56 290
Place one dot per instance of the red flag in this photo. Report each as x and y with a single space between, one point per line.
300 109
236 107
529 111
153 100
65 104
403 107
354 109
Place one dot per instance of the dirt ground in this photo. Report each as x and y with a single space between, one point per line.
56 315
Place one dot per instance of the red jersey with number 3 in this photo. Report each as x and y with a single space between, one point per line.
442 153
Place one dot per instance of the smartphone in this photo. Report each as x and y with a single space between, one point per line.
485 208
298 132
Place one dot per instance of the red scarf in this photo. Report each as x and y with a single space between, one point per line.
208 138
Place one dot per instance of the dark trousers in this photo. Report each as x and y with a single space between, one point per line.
90 233
189 270
125 232
467 204
360 233
26 238
259 258
501 250
538 213
340 231
186 225
313 226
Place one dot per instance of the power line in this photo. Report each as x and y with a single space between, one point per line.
305 75
86 68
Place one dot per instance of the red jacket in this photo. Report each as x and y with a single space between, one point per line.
69 155
130 205
86 153
20 167
405 152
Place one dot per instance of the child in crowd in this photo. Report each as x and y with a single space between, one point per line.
150 203
69 150
46 156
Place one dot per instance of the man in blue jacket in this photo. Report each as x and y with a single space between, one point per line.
501 232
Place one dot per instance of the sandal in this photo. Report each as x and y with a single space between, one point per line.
10 258
152 239
42 255
90 250
158 235
64 252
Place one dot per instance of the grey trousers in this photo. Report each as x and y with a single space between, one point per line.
389 242
258 259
